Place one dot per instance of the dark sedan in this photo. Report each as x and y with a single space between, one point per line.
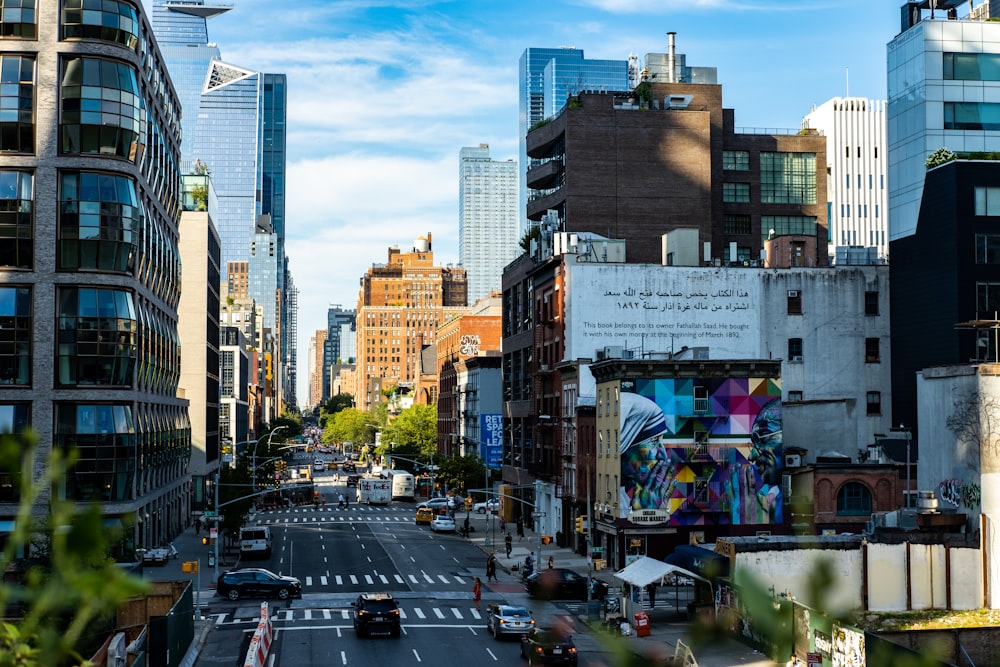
557 583
257 582
548 647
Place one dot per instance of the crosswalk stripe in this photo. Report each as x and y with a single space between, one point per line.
369 580
459 579
384 579
308 614
419 612
413 579
475 614
429 578
309 581
340 580
323 580
457 613
443 578
438 613
402 613
399 579
354 580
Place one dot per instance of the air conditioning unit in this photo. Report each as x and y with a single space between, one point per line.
797 357
793 293
793 460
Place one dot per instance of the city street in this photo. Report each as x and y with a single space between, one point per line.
339 553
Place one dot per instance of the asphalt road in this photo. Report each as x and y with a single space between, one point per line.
340 553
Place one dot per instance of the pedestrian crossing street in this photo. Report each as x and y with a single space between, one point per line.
411 614
383 579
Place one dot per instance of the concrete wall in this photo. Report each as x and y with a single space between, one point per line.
793 571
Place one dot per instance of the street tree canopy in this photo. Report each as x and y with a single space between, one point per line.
414 427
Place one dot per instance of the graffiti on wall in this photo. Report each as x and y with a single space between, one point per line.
708 451
960 494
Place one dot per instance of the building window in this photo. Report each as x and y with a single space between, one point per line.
987 200
737 224
872 351
854 499
17 18
971 66
16 220
871 303
788 178
107 20
736 193
794 302
785 225
971 116
987 299
736 160
97 337
987 249
794 395
795 349
103 436
99 218
17 103
874 403
15 336
14 418
101 106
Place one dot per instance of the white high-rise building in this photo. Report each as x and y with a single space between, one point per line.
856 158
488 218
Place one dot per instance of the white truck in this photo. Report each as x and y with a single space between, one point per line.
374 491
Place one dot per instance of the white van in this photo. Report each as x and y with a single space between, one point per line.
255 542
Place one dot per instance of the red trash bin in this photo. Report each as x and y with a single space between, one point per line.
642 624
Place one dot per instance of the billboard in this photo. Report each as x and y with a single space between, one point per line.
702 450
662 309
491 439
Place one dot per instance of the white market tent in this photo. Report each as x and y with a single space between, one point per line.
645 571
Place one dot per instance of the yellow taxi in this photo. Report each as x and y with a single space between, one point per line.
424 515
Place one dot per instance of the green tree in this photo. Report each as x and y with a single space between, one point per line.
70 586
338 403
462 473
349 425
415 426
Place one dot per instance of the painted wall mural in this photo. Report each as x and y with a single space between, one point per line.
708 451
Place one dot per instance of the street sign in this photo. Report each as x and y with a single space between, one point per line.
537 515
213 533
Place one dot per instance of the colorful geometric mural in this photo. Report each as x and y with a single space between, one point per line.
706 450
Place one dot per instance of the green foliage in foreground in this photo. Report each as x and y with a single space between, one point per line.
70 583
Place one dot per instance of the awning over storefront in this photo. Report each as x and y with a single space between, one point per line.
706 564
645 571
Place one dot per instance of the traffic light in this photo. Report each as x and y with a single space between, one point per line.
204 540
581 524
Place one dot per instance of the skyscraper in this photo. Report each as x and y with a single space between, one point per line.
234 125
546 77
856 155
943 230
340 325
91 266
488 218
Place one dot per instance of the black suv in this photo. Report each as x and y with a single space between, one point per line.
376 613
257 582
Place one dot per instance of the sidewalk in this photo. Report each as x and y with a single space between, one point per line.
190 548
666 626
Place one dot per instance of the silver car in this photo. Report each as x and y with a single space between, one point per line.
506 619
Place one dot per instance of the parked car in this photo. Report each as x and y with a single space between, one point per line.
492 506
439 503
506 619
443 524
319 465
352 480
257 582
548 647
557 583
376 613
424 515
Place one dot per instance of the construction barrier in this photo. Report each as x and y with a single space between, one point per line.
260 643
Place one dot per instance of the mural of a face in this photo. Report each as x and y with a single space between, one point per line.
646 473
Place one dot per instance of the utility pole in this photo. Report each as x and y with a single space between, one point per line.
218 536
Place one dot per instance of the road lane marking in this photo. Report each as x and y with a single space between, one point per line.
308 615
323 580
384 579
459 579
402 613
399 579
340 580
429 578
475 614
419 612
416 655
343 657
369 580
354 580
492 655
439 613
457 613
309 581
413 579
444 579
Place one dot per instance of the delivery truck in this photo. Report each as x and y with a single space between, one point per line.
374 491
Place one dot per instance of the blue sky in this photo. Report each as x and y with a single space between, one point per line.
383 94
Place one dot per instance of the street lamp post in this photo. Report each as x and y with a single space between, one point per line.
253 459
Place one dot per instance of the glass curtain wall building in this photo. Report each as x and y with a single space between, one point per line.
487 218
546 77
89 252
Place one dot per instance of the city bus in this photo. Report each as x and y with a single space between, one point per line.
402 484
